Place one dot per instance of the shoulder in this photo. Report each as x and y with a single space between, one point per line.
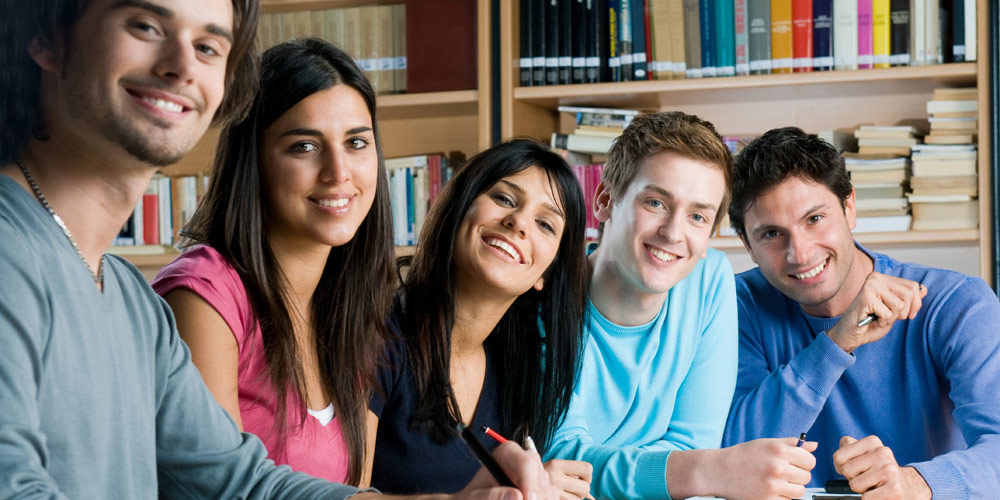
948 291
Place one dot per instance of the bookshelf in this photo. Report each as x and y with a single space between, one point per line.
410 124
750 105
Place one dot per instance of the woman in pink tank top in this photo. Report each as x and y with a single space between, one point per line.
283 296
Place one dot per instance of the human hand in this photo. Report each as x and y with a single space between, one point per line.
871 469
523 467
571 477
887 297
768 469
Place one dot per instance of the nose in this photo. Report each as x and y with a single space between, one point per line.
517 222
798 248
335 169
670 229
177 61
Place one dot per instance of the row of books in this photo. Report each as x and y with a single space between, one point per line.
414 183
591 41
374 35
166 206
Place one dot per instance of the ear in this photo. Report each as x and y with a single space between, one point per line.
539 284
850 210
43 56
746 245
602 203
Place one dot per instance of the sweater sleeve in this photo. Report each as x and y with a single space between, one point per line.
798 389
24 451
201 453
966 346
698 419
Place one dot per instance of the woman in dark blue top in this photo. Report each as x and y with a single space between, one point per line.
489 322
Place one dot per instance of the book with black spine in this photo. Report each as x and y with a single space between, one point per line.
625 39
958 31
581 30
524 64
538 41
899 33
822 35
552 21
639 12
566 34
706 21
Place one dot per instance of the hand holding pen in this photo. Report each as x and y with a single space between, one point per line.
571 477
882 300
511 465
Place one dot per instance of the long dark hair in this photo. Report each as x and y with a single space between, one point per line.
51 24
354 295
539 337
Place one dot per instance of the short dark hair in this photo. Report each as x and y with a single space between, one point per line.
673 131
51 23
777 155
538 339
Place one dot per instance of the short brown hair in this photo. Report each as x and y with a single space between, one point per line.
673 131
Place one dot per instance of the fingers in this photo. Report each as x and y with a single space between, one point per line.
525 469
902 298
572 477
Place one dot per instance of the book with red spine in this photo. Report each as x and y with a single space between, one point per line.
802 35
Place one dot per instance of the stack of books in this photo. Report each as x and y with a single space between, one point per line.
886 140
595 128
944 187
879 182
953 116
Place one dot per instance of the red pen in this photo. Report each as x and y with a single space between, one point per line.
493 434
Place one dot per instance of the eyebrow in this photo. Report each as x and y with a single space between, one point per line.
668 194
166 13
316 133
548 206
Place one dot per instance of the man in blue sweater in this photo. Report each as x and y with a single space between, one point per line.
659 367
98 395
904 406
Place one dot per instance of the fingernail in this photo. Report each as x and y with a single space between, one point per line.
510 495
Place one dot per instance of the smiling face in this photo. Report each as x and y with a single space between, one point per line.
510 234
800 236
146 76
319 169
655 234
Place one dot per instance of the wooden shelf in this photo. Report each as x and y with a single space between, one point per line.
649 94
391 101
902 238
269 6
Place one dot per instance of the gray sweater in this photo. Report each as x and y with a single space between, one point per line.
98 395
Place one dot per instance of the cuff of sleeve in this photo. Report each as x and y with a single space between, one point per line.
821 364
944 479
651 475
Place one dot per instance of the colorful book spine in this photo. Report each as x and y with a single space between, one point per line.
822 35
625 39
742 37
802 36
706 13
899 32
725 37
614 44
865 59
759 36
781 36
880 33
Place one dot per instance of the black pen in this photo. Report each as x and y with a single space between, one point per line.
802 440
484 456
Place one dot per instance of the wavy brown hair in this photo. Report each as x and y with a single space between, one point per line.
354 295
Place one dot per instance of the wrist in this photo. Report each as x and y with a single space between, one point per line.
687 473
837 336
915 487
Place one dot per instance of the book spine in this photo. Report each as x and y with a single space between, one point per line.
971 49
802 36
822 35
538 41
150 218
692 38
958 31
552 42
625 39
399 47
639 16
597 54
899 33
706 13
566 43
742 37
781 36
166 212
845 35
676 32
524 63
648 22
946 31
614 45
581 29
759 36
865 59
880 33
932 38
725 37
659 65
918 49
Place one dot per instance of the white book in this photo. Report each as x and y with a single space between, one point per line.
165 212
970 29
845 34
889 223
932 38
420 192
938 198
918 48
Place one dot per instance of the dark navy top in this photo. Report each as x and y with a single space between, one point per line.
408 460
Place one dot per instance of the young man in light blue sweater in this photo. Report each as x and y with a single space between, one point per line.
659 367
904 406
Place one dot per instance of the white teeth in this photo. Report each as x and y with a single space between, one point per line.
165 105
660 254
809 274
506 247
339 202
